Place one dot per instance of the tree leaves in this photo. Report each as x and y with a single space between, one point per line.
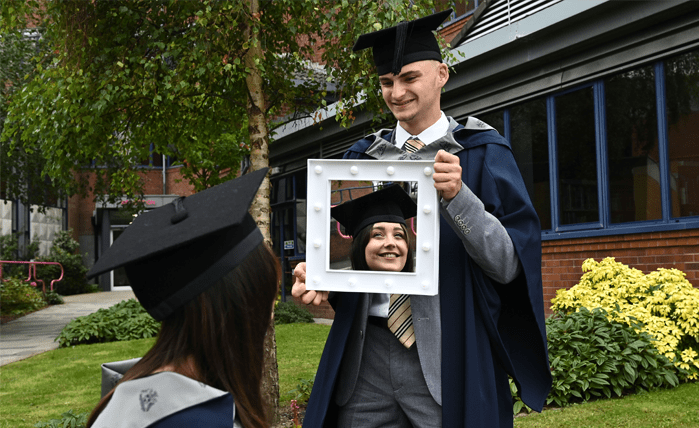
120 77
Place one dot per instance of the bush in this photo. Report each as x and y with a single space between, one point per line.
517 403
18 297
68 420
63 251
127 320
592 356
9 251
289 312
663 304
53 298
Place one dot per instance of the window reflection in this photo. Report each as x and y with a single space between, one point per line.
495 119
529 140
682 95
632 147
577 160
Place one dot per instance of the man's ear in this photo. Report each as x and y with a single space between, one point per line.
442 73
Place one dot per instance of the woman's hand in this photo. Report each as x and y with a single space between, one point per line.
299 288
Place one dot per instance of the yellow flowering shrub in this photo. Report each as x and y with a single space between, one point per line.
663 304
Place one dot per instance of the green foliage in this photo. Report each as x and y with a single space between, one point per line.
18 297
68 420
289 312
303 389
63 250
9 251
517 405
53 298
127 320
593 357
118 76
20 179
662 303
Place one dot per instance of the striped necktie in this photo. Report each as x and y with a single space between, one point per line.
413 144
400 319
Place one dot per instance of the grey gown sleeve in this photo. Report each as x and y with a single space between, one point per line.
486 240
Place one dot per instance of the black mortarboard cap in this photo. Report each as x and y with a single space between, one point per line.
390 204
407 42
173 253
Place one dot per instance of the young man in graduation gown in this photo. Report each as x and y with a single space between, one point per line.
487 322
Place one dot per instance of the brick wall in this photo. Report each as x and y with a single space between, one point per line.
561 265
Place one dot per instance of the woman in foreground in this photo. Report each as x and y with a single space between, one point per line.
201 267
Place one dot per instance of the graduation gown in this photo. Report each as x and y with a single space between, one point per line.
168 399
489 330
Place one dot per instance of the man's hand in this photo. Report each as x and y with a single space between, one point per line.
447 175
299 288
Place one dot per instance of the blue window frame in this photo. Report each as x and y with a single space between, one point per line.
613 156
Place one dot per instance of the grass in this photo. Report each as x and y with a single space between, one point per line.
299 347
675 407
43 387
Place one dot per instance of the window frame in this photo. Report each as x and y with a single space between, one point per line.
604 227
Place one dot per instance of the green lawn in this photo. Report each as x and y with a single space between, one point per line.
43 387
676 408
299 347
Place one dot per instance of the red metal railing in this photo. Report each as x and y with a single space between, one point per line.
31 277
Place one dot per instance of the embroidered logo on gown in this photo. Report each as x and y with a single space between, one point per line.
148 399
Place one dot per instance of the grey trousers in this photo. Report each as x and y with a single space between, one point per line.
390 389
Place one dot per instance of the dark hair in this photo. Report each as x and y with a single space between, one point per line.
359 243
223 332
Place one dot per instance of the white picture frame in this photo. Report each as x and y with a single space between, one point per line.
319 276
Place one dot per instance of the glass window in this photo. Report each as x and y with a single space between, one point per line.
276 232
682 95
495 119
577 160
529 140
154 159
632 147
301 226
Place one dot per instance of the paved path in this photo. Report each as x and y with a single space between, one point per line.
35 333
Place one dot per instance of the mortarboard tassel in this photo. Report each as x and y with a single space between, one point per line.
401 37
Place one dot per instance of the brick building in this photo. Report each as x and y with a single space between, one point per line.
600 102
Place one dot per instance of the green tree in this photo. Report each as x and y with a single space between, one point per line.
194 79
18 163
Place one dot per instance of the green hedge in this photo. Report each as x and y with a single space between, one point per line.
661 303
18 297
592 356
126 320
288 312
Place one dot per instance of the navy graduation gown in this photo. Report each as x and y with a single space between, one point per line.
489 330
